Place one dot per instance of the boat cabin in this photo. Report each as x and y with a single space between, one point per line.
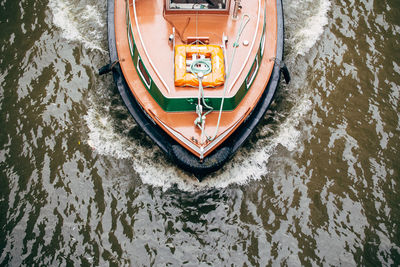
202 6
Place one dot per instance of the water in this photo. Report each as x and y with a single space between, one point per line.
316 184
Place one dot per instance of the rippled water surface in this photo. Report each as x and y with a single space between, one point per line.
316 184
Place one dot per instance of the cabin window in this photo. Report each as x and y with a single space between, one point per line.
198 5
143 73
252 74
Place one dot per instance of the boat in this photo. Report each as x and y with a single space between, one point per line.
196 75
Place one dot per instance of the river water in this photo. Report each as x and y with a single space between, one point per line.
317 184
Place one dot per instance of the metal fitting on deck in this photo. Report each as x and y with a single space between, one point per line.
236 9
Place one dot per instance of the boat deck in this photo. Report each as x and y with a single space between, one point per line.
150 20
151 31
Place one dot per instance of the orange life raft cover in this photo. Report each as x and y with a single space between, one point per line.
184 78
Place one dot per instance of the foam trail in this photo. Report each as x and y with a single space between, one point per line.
305 21
103 138
81 22
245 166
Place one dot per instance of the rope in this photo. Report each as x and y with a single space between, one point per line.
200 73
245 19
195 69
180 35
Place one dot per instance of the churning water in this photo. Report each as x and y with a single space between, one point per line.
316 184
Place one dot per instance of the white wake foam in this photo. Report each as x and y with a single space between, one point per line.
79 21
244 167
305 21
103 138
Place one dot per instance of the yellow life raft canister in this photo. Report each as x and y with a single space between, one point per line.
183 77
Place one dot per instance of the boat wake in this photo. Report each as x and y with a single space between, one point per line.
305 21
104 139
81 21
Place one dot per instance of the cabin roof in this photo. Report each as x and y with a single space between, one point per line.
201 6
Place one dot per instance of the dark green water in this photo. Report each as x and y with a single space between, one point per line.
316 185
